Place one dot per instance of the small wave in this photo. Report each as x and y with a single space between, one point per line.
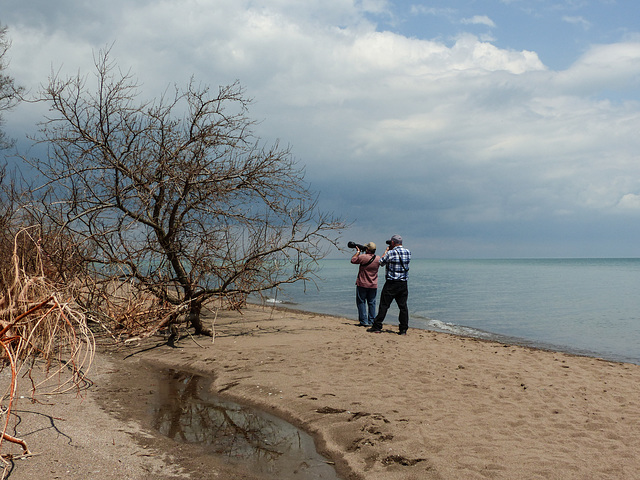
445 327
273 301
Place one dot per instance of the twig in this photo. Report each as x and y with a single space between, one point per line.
213 327
194 340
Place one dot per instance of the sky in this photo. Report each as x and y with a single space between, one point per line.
474 129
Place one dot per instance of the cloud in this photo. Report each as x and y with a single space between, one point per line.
478 20
603 67
461 139
438 12
581 21
630 201
375 6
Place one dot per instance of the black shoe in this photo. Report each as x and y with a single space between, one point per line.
402 333
373 330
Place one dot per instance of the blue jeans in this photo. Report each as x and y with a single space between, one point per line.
366 300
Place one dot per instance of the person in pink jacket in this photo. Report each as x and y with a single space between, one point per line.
366 283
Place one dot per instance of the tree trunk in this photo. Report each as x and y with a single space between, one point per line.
195 319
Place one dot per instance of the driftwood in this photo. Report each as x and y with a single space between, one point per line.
39 326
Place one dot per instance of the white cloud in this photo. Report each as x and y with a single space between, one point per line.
478 20
468 132
438 12
603 67
375 6
581 21
630 201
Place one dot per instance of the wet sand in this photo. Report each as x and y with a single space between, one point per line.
381 406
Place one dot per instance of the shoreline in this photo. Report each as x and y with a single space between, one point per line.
580 306
429 405
467 332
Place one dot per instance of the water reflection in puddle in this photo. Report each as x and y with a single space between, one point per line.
185 410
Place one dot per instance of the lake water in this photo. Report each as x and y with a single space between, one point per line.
584 306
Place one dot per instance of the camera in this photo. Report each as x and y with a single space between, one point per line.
362 248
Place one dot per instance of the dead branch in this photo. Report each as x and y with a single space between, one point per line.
40 326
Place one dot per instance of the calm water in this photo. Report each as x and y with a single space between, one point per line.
185 410
586 306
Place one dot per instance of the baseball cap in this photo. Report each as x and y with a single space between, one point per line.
395 239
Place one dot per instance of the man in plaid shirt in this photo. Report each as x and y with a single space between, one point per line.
396 259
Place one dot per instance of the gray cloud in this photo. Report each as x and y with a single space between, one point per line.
464 147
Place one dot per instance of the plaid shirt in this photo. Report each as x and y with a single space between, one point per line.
396 262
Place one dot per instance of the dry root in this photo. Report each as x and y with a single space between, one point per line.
40 326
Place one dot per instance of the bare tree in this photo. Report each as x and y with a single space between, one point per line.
9 97
10 192
9 92
176 195
38 318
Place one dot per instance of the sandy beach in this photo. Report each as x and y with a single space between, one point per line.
380 406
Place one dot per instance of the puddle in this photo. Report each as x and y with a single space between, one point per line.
186 411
